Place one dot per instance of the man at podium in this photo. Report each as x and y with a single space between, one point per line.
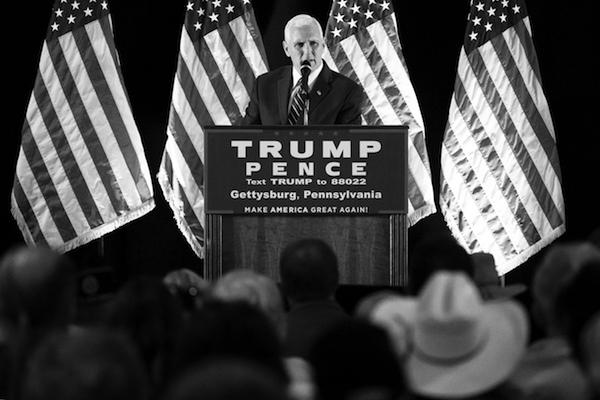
307 92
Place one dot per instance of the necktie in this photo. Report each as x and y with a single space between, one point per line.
296 114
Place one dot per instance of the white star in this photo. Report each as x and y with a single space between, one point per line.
503 17
216 3
200 12
368 14
476 21
71 19
92 1
104 5
355 8
58 12
246 1
488 27
491 11
516 9
479 7
385 5
229 9
504 3
372 2
336 32
54 27
190 6
87 12
352 23
75 5
342 3
63 1
197 25
339 17
213 17
473 35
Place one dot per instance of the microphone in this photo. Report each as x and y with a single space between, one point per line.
305 71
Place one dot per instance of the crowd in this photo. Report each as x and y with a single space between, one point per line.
455 332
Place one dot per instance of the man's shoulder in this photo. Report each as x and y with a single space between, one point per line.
276 73
343 79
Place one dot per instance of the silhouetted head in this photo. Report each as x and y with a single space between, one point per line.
38 288
85 364
308 270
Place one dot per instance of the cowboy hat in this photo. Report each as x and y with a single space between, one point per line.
461 345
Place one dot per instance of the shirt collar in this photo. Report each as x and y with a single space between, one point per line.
311 77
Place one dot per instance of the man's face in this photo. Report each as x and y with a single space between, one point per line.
304 44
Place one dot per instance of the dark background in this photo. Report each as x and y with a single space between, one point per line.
147 37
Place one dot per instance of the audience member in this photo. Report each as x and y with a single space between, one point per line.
228 379
233 329
463 347
38 295
150 316
355 360
438 252
309 279
188 287
85 365
487 280
257 289
388 310
590 353
548 369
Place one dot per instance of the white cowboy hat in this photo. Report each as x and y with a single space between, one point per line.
461 345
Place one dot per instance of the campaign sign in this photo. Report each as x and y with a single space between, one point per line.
335 170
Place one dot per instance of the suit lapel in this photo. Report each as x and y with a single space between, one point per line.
321 88
283 94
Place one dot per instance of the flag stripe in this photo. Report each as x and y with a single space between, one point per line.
184 107
519 50
533 181
83 141
24 214
521 32
216 80
46 187
468 129
540 144
188 94
343 66
223 62
106 83
187 149
482 110
203 86
469 212
247 37
240 65
408 107
184 175
37 128
472 163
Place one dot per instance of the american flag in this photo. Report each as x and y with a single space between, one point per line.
221 53
363 44
500 187
81 170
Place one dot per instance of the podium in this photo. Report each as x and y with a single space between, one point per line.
270 185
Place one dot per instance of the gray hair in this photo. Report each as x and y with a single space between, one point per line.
301 20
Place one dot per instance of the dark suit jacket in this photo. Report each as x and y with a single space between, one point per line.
306 322
334 99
